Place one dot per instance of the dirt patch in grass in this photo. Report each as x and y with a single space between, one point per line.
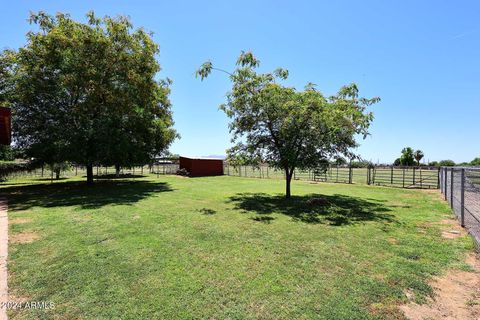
20 220
449 228
456 296
452 234
24 237
450 222
454 230
18 299
392 240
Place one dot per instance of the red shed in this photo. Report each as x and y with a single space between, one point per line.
202 167
5 126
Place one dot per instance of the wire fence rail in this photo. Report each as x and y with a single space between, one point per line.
461 189
45 172
404 177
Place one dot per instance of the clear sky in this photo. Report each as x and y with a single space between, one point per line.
421 57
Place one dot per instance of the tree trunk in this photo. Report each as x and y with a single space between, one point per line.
288 179
57 174
89 173
117 170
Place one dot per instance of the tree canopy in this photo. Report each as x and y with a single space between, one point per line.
475 162
407 158
418 155
447 163
286 127
433 164
87 93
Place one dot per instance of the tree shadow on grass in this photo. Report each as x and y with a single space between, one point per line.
120 176
50 179
99 194
263 219
207 212
336 210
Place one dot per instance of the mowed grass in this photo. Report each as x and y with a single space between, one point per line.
224 247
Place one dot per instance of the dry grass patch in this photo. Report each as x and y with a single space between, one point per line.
457 296
454 229
20 220
24 237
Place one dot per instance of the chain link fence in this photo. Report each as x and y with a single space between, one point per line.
461 189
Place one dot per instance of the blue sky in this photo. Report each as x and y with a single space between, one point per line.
421 57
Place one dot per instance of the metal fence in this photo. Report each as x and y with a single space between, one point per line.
404 177
461 188
99 171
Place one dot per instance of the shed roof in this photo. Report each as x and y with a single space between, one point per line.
202 158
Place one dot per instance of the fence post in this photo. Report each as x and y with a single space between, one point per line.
414 182
368 175
350 174
462 197
445 182
391 176
438 179
421 182
403 178
451 189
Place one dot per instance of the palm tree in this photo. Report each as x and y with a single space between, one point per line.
418 155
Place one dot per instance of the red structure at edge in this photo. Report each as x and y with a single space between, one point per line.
5 126
202 167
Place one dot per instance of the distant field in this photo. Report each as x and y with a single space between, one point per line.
170 247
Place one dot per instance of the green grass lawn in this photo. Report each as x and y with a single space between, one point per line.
224 247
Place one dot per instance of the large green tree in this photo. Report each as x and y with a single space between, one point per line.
446 163
407 158
87 93
289 128
5 84
475 162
